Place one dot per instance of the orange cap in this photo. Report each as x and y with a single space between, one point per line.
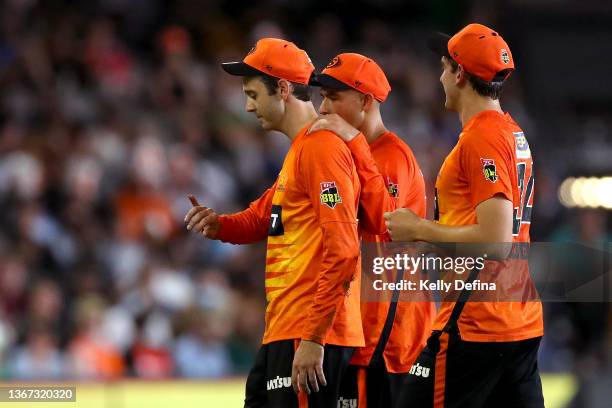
480 50
275 57
356 71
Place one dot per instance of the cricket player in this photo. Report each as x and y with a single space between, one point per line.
309 218
480 354
353 88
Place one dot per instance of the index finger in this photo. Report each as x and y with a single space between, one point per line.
193 200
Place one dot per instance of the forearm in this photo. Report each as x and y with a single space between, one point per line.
430 231
242 228
488 241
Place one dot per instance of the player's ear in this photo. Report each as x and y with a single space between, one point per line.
460 77
284 88
367 102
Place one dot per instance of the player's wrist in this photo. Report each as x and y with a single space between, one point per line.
423 231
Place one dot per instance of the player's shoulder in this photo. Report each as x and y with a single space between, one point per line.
391 144
324 141
487 134
402 149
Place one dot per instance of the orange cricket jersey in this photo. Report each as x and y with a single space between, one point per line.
402 178
492 157
312 259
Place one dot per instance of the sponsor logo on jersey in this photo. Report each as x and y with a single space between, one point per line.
347 402
278 382
393 188
522 147
329 194
282 181
419 370
489 170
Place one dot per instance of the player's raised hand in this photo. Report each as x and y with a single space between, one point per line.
308 367
334 123
403 225
202 220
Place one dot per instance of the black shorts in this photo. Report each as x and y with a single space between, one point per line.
269 382
453 373
371 387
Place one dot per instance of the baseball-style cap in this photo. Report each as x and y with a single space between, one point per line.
479 49
275 57
354 71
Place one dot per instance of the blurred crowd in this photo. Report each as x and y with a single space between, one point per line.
110 115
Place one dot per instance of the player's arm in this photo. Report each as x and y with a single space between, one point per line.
494 224
374 197
491 198
245 227
340 252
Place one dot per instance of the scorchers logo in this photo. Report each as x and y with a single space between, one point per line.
334 62
393 188
489 170
329 194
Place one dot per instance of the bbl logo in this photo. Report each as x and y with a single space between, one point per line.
329 194
489 170
504 56
393 188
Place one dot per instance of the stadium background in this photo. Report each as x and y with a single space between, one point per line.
112 111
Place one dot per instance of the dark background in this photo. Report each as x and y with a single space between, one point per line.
111 112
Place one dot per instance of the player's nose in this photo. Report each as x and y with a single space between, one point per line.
323 109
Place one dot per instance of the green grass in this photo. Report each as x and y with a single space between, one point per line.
558 389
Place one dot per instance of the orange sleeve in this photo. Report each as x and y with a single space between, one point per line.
487 168
325 167
250 225
410 181
374 198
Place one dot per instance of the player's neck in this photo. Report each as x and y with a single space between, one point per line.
297 116
373 127
473 104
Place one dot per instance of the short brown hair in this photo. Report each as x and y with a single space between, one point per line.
300 91
491 89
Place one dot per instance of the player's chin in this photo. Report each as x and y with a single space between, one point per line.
448 104
265 125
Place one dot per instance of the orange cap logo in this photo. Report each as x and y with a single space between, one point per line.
334 62
504 56
360 73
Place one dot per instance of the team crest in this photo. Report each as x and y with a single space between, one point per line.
489 170
505 57
334 63
329 194
393 188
